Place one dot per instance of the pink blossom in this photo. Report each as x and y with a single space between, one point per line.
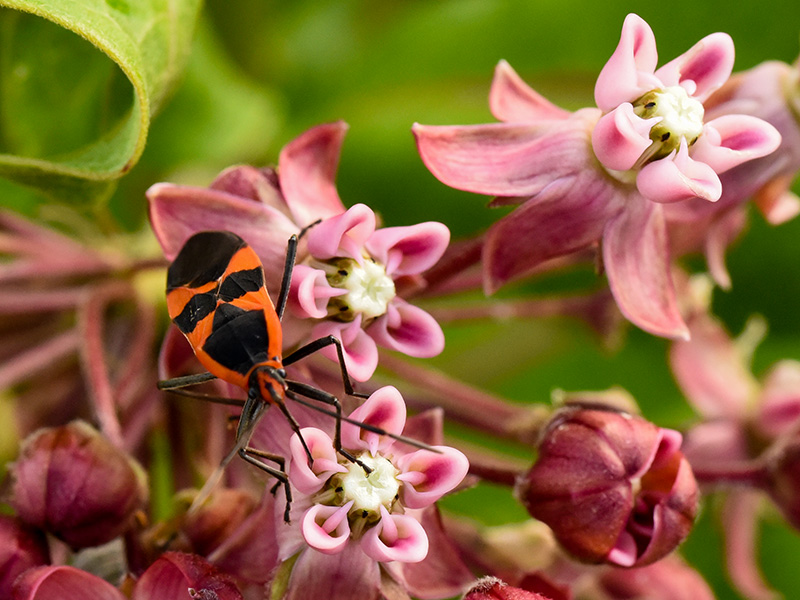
601 175
345 281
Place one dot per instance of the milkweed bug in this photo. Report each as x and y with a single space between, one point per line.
217 297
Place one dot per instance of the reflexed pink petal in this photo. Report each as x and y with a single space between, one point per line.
733 139
310 292
505 159
777 206
408 329
244 181
629 72
63 583
395 537
568 216
360 351
385 408
514 101
409 250
712 372
325 528
429 475
678 177
342 235
620 137
703 68
712 442
175 574
636 260
310 479
334 576
780 398
307 169
720 233
178 212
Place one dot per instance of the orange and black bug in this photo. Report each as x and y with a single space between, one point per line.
217 297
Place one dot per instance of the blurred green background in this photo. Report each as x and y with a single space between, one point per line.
261 72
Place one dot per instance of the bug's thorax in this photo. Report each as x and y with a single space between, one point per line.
267 380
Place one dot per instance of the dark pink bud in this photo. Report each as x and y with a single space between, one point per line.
783 477
491 588
612 486
63 583
217 519
21 548
72 482
178 575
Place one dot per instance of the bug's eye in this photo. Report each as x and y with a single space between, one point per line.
282 372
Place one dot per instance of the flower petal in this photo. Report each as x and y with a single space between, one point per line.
310 292
504 159
568 216
514 101
733 139
780 398
430 475
385 408
307 170
636 260
342 235
359 349
703 68
310 478
178 212
175 575
407 329
325 528
629 72
395 537
63 583
409 250
334 576
244 181
678 177
620 137
712 372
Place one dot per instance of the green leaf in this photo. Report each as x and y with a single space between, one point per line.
79 83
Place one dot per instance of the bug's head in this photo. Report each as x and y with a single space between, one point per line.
269 382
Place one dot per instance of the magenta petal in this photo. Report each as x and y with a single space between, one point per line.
430 475
385 408
310 292
175 574
733 139
568 216
505 159
678 177
514 101
342 235
712 372
244 181
310 479
409 250
344 576
360 351
636 260
629 72
703 68
178 212
307 170
395 537
620 137
408 329
780 398
63 583
325 528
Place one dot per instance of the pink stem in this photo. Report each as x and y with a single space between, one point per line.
24 301
490 467
36 359
744 473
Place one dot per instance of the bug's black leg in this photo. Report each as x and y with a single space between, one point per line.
206 397
185 381
296 428
253 456
316 346
286 280
296 387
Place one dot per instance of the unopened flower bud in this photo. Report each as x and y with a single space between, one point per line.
21 548
63 583
217 519
783 476
72 482
491 588
179 575
613 487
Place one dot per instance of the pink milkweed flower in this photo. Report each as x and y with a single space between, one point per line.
602 174
348 273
